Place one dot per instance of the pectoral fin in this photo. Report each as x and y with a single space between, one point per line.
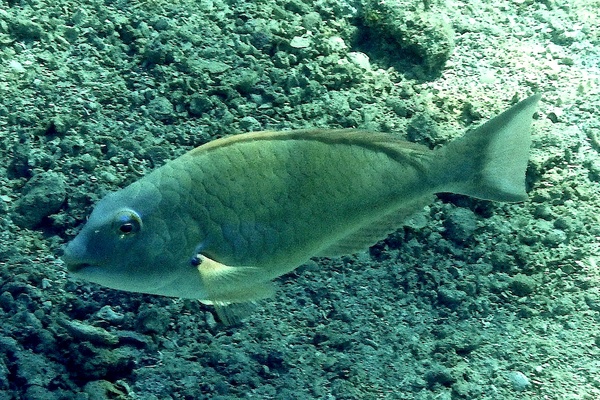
227 287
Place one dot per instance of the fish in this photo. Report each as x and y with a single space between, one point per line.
222 221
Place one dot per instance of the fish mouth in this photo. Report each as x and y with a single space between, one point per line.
73 262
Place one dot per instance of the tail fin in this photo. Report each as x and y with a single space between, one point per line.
489 162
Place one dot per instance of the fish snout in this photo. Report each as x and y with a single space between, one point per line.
73 256
73 264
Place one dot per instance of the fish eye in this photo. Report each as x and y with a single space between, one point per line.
127 227
128 222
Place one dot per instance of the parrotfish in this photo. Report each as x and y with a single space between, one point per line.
220 222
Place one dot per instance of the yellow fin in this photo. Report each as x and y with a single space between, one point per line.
225 284
370 234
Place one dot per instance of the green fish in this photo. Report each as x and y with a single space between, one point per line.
222 221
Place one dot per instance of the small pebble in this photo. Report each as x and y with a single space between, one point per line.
519 381
108 314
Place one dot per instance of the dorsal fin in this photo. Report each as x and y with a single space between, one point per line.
377 141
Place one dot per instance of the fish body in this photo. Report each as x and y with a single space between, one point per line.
221 221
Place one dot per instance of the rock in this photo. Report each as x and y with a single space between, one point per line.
460 225
24 29
42 196
26 320
161 108
106 313
300 42
440 375
89 333
427 36
4 374
451 297
210 320
8 345
522 285
134 339
152 320
7 302
101 390
93 363
35 369
250 124
200 104
38 392
519 381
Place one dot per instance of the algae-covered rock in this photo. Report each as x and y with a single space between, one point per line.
101 389
152 320
423 34
93 363
88 333
441 376
522 285
460 225
43 195
34 369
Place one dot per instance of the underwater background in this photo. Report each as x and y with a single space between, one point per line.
469 300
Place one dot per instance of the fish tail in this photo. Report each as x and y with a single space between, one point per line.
490 161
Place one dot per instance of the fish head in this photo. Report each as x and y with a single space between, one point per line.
124 245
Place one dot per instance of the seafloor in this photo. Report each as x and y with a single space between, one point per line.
469 300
